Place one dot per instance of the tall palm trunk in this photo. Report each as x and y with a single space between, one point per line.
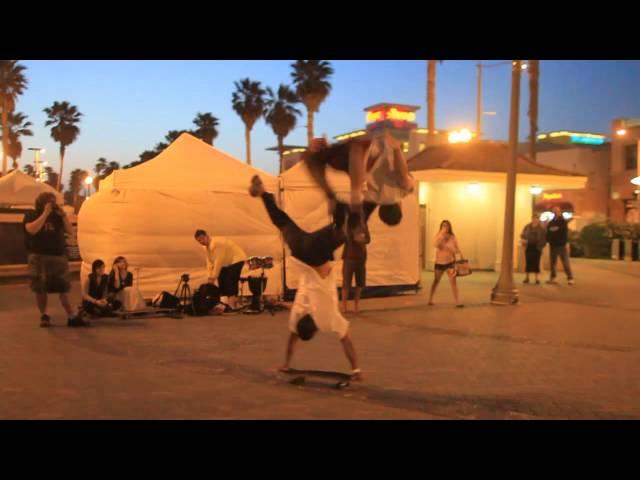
247 141
534 84
5 137
58 183
431 101
309 126
281 151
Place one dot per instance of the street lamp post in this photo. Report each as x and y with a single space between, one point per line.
87 182
505 292
37 163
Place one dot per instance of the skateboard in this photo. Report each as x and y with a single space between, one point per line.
149 312
341 380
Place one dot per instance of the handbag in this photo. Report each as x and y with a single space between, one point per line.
463 268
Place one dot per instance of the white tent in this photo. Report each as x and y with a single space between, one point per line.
19 189
392 255
150 212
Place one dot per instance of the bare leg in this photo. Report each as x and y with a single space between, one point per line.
350 352
66 304
293 338
233 301
356 298
400 164
41 299
454 289
357 173
345 294
436 280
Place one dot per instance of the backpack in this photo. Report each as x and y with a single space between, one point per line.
206 297
166 300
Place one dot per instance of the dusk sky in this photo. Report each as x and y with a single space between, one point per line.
129 106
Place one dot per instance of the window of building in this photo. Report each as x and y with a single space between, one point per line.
631 157
405 147
422 146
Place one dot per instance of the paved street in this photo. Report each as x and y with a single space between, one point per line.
566 352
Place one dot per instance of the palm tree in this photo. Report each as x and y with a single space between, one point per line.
248 102
110 168
17 126
280 113
146 156
431 100
12 83
101 166
103 169
534 84
206 130
170 137
76 181
52 178
63 117
29 170
160 147
311 78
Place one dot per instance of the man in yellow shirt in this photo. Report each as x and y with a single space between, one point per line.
225 260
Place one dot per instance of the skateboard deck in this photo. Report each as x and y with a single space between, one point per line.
148 312
338 379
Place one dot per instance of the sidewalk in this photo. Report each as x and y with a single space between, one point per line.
563 352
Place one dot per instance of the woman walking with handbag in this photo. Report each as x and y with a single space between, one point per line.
446 250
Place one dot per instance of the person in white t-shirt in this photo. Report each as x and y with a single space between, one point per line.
316 303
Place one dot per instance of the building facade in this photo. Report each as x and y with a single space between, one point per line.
586 154
623 200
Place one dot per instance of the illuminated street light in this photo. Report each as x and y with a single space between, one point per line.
535 190
463 135
38 164
636 181
621 132
87 182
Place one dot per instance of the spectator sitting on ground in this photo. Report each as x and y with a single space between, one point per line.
96 290
122 292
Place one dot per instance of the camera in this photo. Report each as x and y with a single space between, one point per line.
184 278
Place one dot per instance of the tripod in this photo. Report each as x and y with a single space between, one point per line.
183 292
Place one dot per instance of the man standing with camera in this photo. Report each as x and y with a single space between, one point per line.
225 260
45 228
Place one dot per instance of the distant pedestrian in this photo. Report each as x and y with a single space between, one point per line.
446 250
557 236
533 237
